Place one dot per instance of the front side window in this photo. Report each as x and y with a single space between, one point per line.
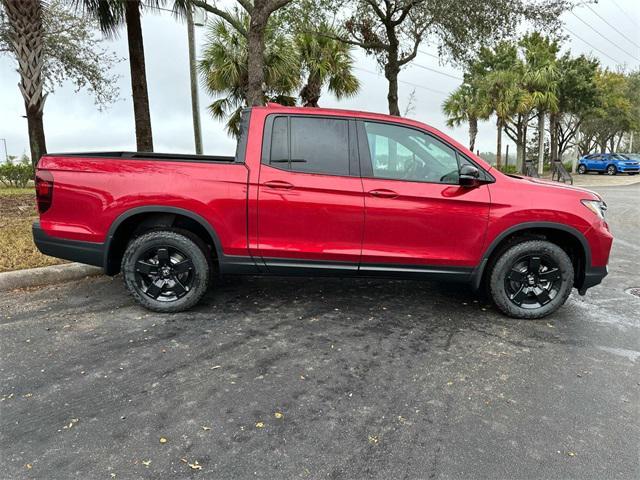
310 145
402 153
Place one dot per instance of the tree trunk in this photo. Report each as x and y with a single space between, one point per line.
391 71
541 143
498 143
310 93
473 132
193 77
554 118
26 40
257 26
521 138
574 162
37 142
144 137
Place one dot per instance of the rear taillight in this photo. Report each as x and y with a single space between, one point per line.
44 190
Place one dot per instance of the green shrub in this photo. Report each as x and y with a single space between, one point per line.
508 169
16 174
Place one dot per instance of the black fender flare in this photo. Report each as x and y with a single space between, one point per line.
158 209
478 272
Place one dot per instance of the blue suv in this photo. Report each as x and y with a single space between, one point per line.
611 163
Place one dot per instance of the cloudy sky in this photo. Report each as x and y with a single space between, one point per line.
73 123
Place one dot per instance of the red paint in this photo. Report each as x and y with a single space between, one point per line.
264 211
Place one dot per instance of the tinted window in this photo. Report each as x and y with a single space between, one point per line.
280 142
320 145
403 153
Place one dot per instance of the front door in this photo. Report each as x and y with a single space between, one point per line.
310 199
597 163
416 213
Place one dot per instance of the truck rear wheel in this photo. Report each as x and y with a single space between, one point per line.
166 271
531 279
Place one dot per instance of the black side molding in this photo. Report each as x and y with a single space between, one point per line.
592 277
89 253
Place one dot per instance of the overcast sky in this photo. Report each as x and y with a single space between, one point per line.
73 123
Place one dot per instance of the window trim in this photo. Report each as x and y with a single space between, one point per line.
352 147
366 163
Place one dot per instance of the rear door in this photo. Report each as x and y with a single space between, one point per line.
416 213
310 197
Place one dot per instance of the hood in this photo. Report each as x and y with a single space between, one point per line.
556 185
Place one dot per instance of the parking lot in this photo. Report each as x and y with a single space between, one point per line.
325 378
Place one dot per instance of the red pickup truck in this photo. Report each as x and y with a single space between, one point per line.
322 192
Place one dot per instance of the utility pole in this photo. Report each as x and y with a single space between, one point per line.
195 102
6 152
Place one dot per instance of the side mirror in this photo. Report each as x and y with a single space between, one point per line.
469 176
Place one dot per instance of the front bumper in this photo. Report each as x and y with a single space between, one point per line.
83 252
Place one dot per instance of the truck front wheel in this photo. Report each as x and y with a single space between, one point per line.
531 279
166 271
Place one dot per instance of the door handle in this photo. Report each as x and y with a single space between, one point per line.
383 193
278 184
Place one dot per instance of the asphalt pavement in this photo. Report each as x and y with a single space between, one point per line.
276 378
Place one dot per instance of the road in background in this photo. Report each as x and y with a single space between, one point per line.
327 378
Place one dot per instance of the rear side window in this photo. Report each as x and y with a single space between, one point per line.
311 145
280 142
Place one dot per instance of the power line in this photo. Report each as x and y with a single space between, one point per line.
435 70
429 54
595 48
610 41
415 85
624 13
612 27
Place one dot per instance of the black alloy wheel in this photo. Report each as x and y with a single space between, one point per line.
530 279
533 281
164 273
167 270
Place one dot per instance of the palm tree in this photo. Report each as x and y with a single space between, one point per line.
541 79
502 92
26 37
465 105
325 61
224 68
111 14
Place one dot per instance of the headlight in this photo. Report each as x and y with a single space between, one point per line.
596 206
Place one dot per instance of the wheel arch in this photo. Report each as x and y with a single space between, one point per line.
568 238
153 216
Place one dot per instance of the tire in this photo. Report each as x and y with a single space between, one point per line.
166 271
518 294
582 169
612 170
633 173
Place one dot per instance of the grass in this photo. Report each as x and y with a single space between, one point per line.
17 251
16 191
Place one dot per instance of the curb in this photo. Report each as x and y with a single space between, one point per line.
36 277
